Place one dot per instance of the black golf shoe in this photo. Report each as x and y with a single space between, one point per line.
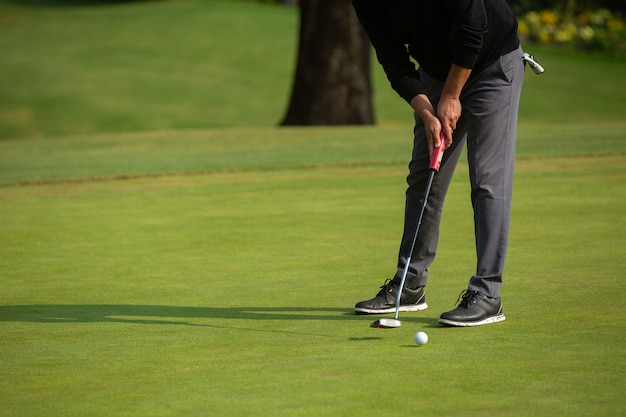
385 300
475 309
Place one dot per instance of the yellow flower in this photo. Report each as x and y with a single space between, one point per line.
562 36
600 16
615 25
532 18
522 28
586 33
544 36
548 17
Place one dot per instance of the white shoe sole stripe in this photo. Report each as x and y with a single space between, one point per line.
488 320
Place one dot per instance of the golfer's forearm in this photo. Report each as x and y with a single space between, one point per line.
422 107
457 77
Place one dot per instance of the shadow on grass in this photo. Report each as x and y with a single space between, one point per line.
155 314
187 316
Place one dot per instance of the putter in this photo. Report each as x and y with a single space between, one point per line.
435 163
532 62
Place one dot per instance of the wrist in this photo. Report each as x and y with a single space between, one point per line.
422 107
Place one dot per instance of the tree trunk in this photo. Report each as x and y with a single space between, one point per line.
332 82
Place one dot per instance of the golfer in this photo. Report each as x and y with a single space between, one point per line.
467 88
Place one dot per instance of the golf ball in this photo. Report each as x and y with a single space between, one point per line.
421 338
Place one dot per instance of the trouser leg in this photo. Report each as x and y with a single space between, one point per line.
428 235
490 110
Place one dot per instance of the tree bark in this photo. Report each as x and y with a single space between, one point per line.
332 82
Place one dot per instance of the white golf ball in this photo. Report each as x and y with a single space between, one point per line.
421 338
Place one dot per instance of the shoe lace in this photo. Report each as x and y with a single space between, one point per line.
386 284
389 290
466 298
385 287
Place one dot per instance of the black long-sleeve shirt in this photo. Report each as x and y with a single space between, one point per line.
437 34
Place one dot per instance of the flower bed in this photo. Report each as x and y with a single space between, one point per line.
599 30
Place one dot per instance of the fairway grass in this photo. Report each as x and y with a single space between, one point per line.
230 292
142 65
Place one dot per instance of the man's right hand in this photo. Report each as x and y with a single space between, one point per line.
433 126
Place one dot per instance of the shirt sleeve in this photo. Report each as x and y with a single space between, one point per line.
391 54
471 26
469 22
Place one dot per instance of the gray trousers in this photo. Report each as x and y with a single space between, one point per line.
488 124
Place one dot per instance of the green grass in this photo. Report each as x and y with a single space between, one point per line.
170 265
143 66
230 294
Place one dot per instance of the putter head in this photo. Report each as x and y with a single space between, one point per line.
386 324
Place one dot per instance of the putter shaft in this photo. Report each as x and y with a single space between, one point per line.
435 164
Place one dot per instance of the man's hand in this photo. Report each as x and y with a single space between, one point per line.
448 112
424 109
449 107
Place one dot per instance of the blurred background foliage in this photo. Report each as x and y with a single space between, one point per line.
596 25
586 25
523 6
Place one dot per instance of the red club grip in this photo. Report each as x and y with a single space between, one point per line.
435 162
